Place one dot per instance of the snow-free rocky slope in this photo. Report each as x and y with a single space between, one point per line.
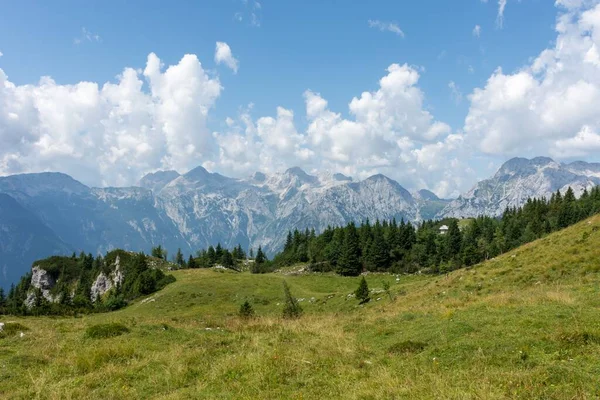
519 179
51 213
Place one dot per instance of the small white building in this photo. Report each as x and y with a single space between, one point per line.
443 229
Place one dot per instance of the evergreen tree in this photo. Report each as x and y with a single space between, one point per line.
246 310
2 302
211 256
159 252
349 261
192 262
179 259
227 259
260 256
454 240
291 308
362 293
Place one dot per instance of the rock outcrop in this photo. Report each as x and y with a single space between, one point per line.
104 283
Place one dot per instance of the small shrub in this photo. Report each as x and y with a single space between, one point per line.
407 347
12 329
105 331
246 310
291 309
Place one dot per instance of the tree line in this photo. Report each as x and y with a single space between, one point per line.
390 246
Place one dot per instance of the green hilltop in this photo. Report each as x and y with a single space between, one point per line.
521 325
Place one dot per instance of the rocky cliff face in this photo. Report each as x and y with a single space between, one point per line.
519 179
199 208
104 283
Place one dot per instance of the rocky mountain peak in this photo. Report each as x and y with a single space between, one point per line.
155 181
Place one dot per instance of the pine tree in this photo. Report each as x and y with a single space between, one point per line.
349 262
2 302
291 308
211 256
246 310
192 262
362 293
260 256
227 259
454 240
179 259
159 252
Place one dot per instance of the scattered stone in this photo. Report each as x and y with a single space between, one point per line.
1 326
379 298
21 335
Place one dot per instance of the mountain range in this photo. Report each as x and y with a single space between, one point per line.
51 213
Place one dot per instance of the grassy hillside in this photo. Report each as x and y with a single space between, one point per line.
524 325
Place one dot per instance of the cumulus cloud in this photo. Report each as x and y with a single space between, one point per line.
386 26
477 31
389 131
223 55
549 105
110 134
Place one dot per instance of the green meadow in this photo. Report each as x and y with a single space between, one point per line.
524 325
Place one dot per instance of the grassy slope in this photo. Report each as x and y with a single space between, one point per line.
525 325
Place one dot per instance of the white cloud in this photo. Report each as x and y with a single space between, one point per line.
251 13
386 26
87 36
500 16
389 132
550 105
1 54
455 92
110 134
477 31
223 56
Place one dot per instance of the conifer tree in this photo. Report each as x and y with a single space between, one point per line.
246 310
291 308
362 293
211 256
192 262
179 258
349 262
260 256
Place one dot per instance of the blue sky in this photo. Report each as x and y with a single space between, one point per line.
336 49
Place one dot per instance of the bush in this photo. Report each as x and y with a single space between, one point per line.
105 331
246 310
114 301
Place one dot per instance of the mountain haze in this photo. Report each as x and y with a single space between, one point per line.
194 210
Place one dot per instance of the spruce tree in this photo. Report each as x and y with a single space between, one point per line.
260 256
362 293
291 308
192 262
454 240
246 310
211 256
2 302
179 259
349 262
